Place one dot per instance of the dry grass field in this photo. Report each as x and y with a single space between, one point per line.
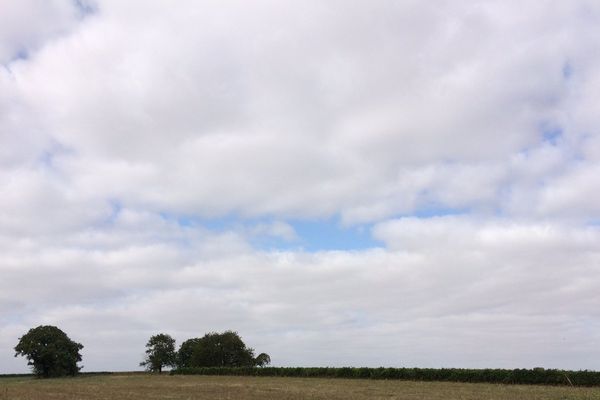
141 386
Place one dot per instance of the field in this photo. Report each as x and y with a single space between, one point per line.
142 386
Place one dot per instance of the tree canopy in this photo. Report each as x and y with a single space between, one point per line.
49 352
160 352
262 360
214 349
186 352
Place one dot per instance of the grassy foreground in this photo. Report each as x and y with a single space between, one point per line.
141 386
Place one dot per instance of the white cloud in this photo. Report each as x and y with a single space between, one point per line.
26 25
573 192
453 285
311 116
277 229
122 132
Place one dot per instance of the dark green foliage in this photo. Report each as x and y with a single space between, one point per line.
217 350
186 351
505 376
49 351
262 360
160 352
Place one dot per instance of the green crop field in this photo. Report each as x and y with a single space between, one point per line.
143 386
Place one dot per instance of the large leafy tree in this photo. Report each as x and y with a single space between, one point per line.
160 352
214 349
49 352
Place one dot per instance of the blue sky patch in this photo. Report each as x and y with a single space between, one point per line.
312 235
329 234
21 54
550 132
552 136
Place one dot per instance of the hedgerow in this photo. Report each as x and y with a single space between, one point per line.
537 376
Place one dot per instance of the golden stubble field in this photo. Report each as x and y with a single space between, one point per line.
142 386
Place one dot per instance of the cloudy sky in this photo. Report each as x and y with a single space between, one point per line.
363 183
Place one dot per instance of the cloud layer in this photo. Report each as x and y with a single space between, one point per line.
155 162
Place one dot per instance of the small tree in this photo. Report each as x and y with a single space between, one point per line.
262 360
49 352
160 352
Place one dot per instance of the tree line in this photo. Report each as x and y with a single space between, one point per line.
535 376
51 353
214 349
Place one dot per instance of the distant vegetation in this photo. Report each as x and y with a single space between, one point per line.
160 352
537 376
214 349
49 352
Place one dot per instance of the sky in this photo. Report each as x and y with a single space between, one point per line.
342 182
